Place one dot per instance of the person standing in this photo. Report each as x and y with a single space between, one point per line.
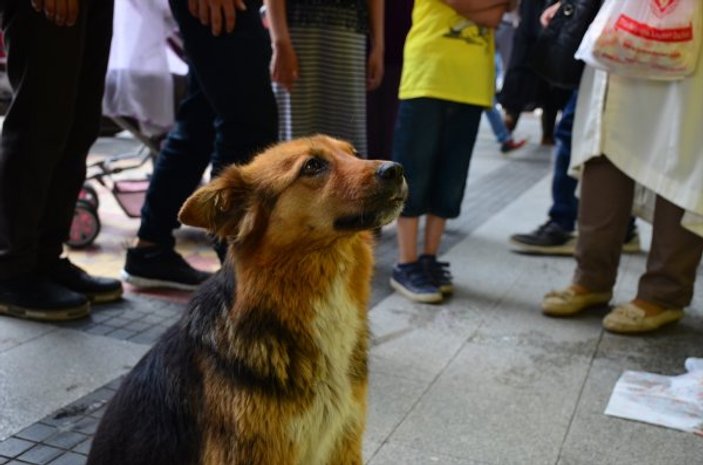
631 131
448 80
227 116
320 66
57 58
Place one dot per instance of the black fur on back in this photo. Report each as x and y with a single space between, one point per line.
153 419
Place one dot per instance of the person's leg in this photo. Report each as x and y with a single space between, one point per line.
604 213
673 259
666 288
495 119
415 144
460 124
36 129
606 202
53 119
64 188
234 76
564 202
407 239
179 168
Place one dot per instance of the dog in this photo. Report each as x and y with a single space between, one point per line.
268 365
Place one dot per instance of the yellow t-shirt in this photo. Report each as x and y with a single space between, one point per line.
447 57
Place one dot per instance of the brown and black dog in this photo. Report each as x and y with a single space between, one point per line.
270 367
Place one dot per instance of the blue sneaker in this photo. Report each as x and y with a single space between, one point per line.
411 280
439 273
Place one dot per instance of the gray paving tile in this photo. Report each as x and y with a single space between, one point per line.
390 400
503 405
394 454
13 447
70 458
40 454
416 341
594 438
75 362
37 432
83 447
14 332
66 439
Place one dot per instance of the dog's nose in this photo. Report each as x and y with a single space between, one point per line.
389 171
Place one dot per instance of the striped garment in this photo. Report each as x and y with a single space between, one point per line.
329 96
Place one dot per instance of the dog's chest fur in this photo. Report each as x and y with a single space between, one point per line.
335 331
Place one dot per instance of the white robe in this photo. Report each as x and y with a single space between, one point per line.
651 130
139 82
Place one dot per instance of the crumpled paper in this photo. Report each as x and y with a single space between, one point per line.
670 401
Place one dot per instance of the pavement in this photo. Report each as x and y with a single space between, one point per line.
482 379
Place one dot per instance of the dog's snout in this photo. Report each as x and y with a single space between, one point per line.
389 171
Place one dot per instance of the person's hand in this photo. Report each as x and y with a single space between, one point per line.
374 69
216 12
59 12
284 64
547 15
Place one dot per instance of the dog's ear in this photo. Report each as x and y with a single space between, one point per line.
221 206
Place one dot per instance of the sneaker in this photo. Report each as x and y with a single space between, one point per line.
439 273
150 267
510 145
413 282
548 239
96 289
37 298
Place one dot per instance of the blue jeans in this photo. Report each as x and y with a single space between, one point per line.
434 140
495 118
227 116
564 202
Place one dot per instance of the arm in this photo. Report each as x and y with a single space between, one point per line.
375 61
213 12
488 15
59 12
284 62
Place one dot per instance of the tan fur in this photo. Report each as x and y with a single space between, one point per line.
310 280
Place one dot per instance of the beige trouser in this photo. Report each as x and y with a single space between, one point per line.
604 213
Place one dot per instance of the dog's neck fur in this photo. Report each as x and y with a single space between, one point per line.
288 279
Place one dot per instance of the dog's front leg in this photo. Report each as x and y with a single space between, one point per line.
348 450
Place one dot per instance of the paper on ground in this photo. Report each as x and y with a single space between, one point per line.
671 401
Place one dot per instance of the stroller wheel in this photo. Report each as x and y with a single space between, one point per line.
85 226
90 195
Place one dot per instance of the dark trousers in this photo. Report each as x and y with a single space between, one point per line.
227 116
564 203
57 75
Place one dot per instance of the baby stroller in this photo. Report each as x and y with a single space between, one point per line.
129 193
146 63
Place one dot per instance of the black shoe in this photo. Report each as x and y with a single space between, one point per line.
37 298
548 239
97 289
148 267
439 273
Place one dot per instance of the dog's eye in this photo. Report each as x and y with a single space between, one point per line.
313 166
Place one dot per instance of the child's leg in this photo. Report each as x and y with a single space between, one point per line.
434 230
407 239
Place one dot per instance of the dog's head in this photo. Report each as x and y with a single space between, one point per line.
316 188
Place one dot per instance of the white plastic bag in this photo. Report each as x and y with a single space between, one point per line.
649 39
671 401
